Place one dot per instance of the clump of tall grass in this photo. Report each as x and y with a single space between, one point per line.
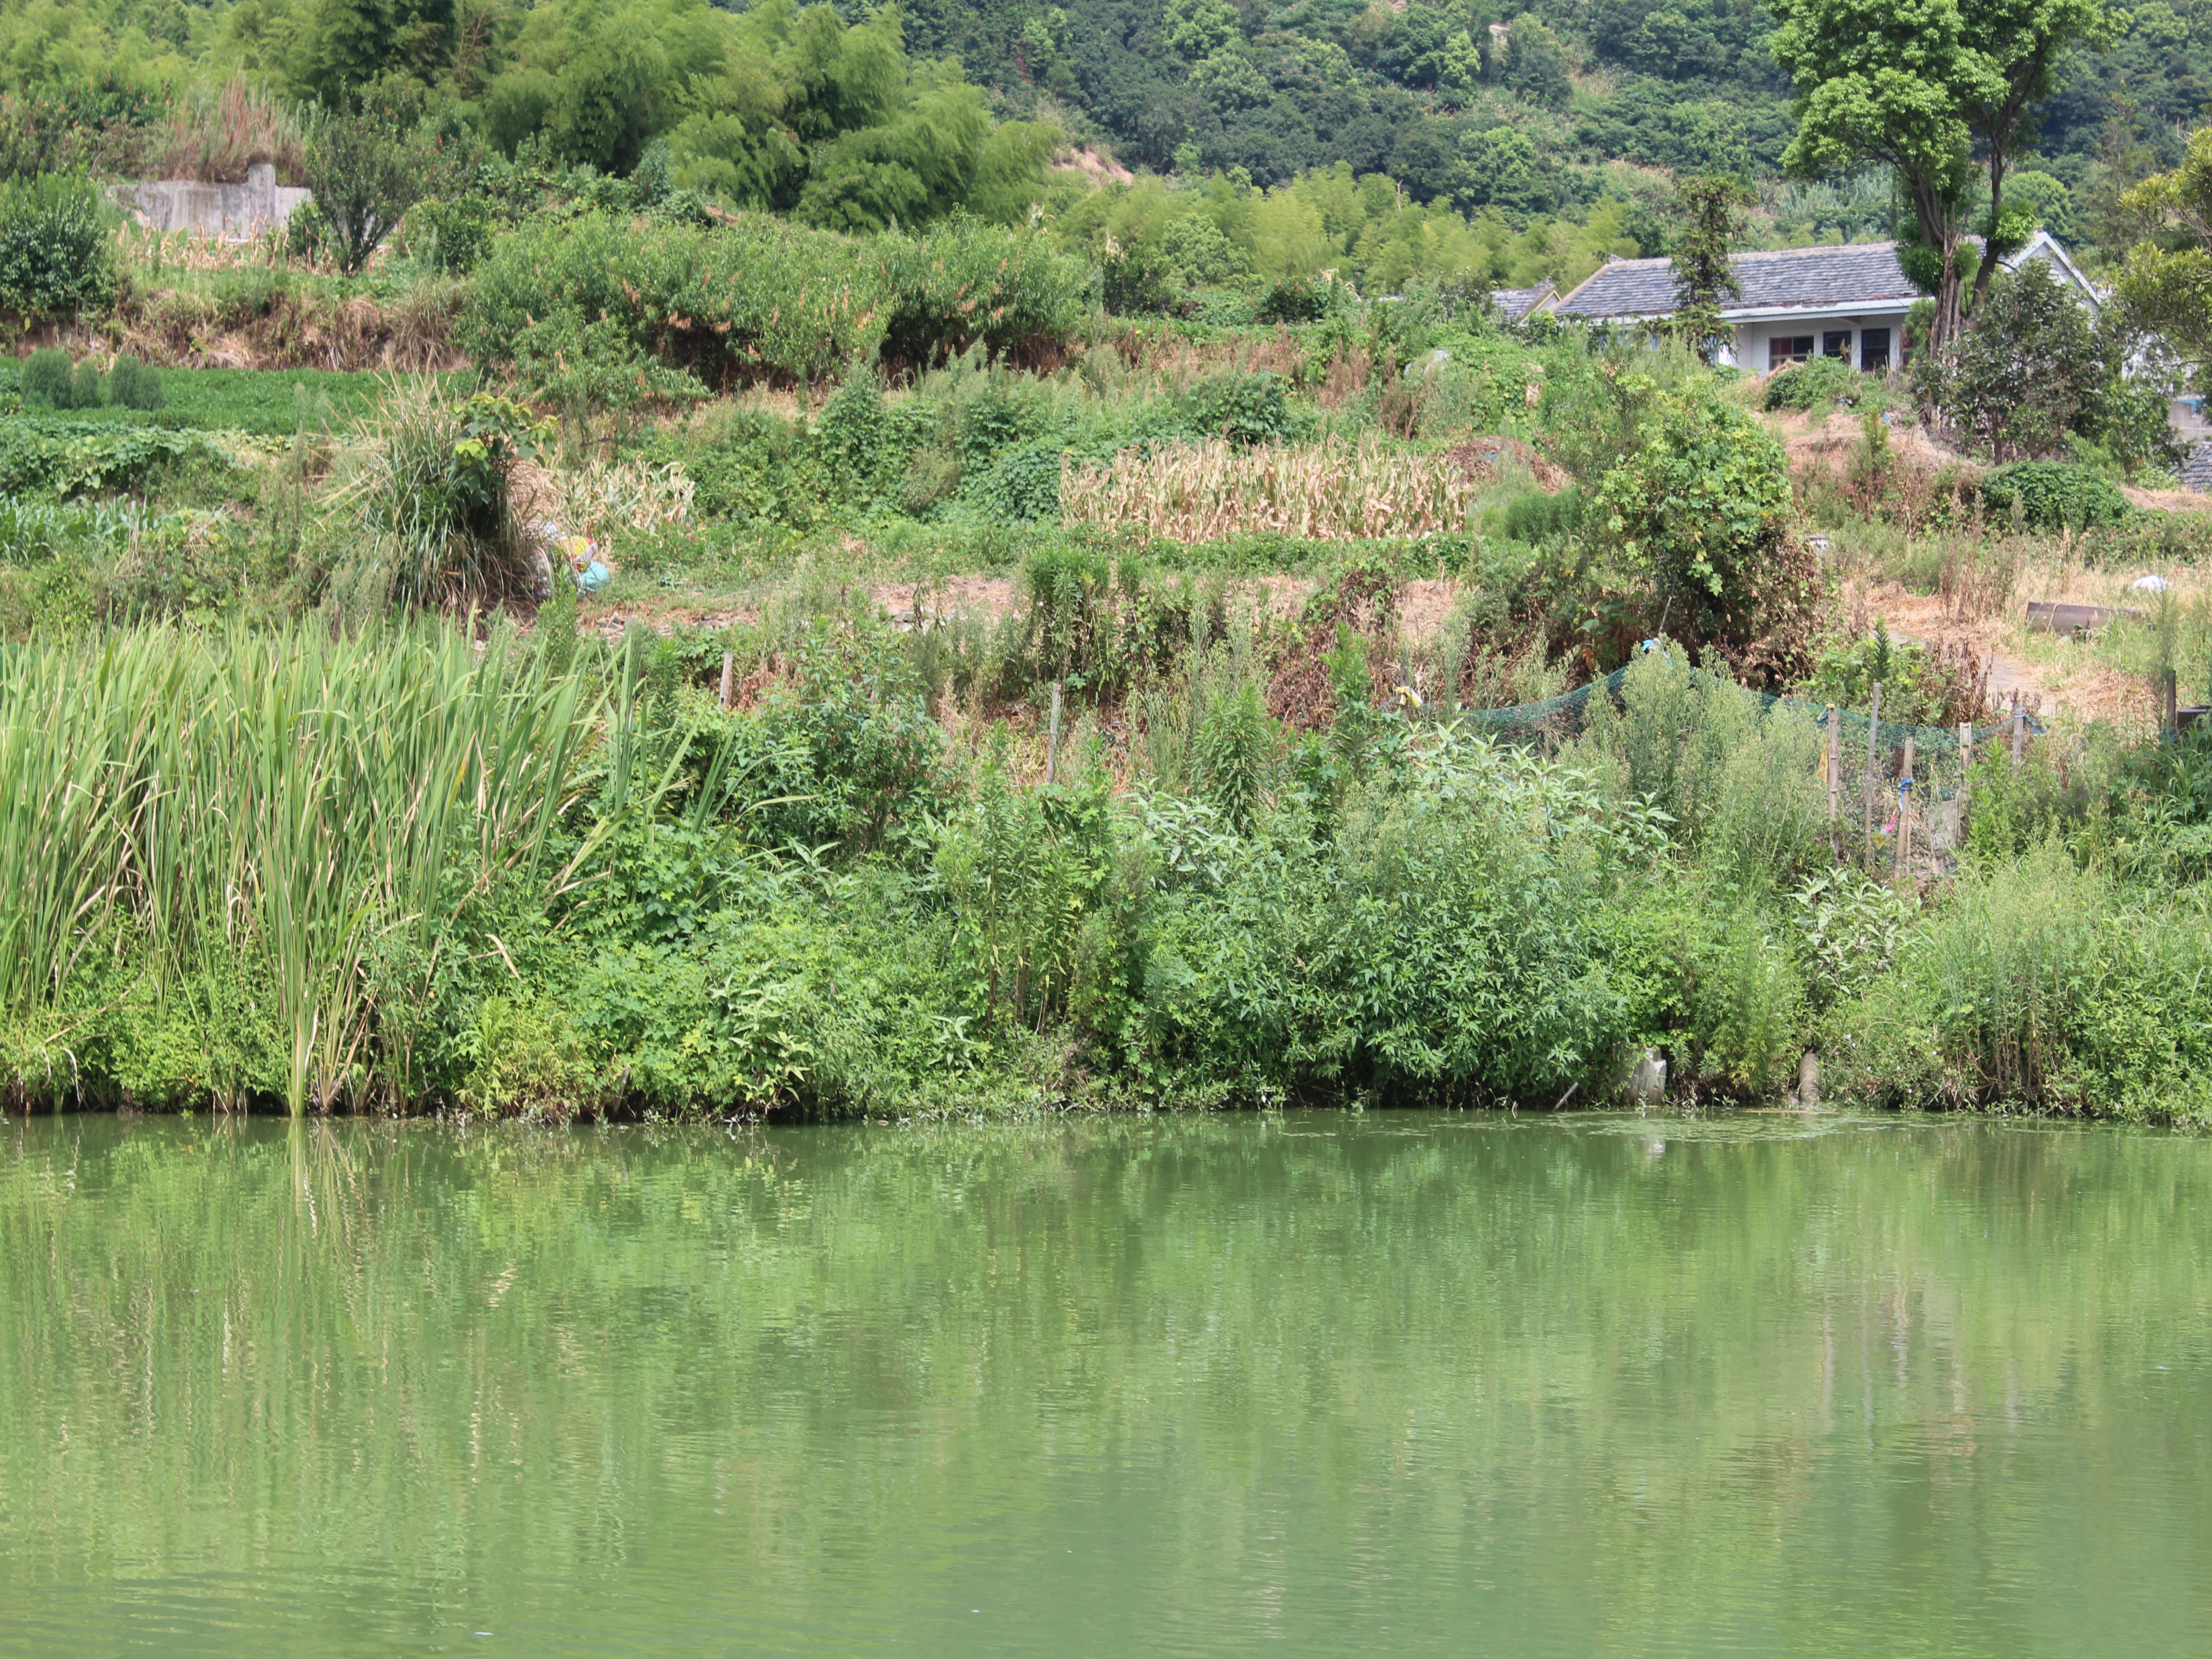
275 807
215 135
2042 985
1325 491
429 485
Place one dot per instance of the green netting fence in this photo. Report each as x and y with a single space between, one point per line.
1869 783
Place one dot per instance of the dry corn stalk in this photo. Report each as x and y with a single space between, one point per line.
1327 491
603 495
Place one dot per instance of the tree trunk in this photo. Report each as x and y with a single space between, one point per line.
1937 215
1947 296
1997 206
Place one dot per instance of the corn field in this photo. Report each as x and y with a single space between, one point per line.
195 806
1327 491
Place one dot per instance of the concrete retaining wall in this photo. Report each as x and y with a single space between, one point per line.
231 210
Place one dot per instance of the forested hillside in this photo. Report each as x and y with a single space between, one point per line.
858 119
1489 105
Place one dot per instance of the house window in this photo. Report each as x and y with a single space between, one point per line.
1782 350
1874 350
1836 343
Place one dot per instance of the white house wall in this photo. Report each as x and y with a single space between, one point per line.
1753 340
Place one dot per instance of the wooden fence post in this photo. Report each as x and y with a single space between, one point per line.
2018 731
729 679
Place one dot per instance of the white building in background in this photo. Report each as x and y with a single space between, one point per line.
1798 303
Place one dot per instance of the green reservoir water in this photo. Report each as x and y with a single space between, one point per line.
1326 1383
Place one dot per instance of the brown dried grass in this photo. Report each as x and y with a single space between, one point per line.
1326 491
215 137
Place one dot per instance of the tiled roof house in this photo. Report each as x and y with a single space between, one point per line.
1515 303
1846 301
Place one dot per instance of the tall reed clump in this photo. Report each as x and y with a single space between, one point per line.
270 806
215 135
430 486
1325 491
2039 984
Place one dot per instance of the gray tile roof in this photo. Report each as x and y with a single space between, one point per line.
1515 303
2196 471
1816 278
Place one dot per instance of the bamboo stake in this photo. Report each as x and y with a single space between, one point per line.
1052 739
1966 770
1834 763
1874 731
1904 812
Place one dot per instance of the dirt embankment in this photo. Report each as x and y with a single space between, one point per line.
275 326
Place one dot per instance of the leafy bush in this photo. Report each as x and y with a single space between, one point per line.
1442 948
47 381
759 299
1247 409
56 255
1295 300
449 235
963 283
2039 984
132 385
2053 496
367 166
1022 485
1702 509
1817 387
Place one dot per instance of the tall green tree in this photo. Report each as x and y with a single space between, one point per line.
1890 81
1939 90
2167 280
2023 46
1704 280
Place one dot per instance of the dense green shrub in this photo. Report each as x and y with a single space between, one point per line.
449 235
758 299
56 255
964 282
1247 409
132 385
2053 496
1294 299
47 383
1816 387
1438 949
1701 509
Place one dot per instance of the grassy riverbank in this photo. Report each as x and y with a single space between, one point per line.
310 802
397 872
